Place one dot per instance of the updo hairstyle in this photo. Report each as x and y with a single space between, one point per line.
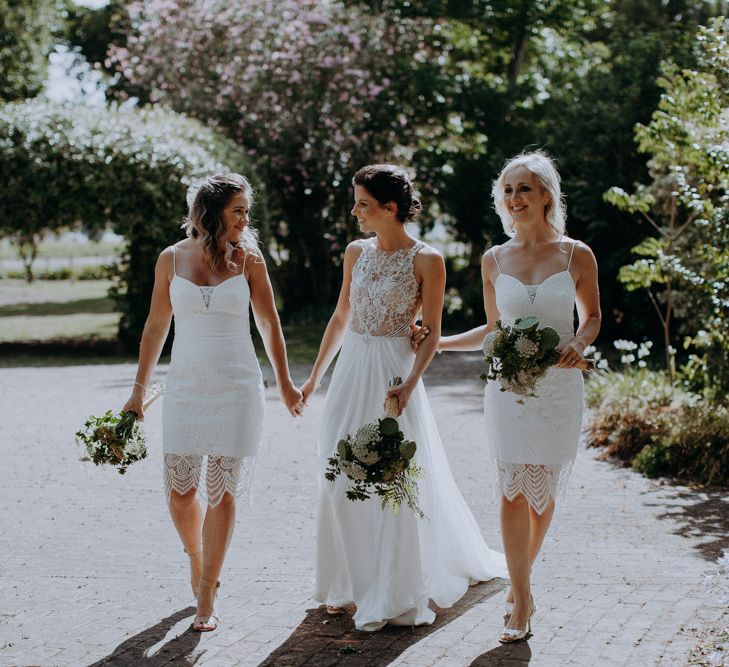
390 183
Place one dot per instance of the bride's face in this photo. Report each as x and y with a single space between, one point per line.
524 197
370 214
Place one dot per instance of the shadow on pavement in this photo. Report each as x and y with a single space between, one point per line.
326 641
178 651
505 655
705 515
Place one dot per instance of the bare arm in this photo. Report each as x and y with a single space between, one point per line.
155 331
332 339
472 339
430 269
269 326
588 308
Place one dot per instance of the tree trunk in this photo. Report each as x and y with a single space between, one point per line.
521 40
27 252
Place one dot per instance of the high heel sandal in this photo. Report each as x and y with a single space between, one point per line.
511 635
334 611
205 623
509 608
190 555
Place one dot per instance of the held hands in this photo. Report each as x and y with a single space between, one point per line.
136 402
308 388
403 393
292 398
571 355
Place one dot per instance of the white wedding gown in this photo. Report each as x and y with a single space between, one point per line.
535 442
391 566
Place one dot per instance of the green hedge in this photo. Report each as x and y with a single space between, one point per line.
121 166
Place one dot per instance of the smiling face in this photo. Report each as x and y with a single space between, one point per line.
235 216
370 214
523 196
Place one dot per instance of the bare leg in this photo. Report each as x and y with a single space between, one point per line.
538 527
216 533
187 516
515 530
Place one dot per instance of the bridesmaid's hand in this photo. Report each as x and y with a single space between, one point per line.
292 398
403 393
136 402
307 389
417 335
571 355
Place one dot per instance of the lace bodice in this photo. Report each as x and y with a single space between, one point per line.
384 296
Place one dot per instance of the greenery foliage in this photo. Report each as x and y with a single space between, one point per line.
66 165
684 266
25 41
640 418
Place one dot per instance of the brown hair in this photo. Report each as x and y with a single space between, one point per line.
390 183
206 200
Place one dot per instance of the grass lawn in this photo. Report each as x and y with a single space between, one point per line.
53 248
79 312
56 310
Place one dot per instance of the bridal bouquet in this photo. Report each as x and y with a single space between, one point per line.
378 460
117 439
518 356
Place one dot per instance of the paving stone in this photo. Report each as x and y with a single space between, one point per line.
92 571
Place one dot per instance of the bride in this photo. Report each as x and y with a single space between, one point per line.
390 566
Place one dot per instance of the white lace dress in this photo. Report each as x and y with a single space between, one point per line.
535 443
390 566
213 404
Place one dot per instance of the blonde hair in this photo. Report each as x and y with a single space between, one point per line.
206 200
543 166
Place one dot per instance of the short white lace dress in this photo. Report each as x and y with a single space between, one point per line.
391 565
535 442
213 404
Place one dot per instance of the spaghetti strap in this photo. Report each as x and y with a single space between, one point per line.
572 252
493 252
174 261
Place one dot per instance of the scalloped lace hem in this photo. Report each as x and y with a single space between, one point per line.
538 483
220 475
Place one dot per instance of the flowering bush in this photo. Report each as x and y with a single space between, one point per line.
312 89
641 418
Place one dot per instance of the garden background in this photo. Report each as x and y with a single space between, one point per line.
630 96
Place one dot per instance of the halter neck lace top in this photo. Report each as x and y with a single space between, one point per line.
384 296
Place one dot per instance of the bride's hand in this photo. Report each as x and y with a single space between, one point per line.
570 355
292 398
417 335
403 393
307 389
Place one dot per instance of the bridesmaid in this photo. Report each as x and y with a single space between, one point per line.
541 272
213 406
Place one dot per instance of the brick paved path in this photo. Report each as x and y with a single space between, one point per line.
91 570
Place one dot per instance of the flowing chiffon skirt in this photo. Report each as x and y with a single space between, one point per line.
391 566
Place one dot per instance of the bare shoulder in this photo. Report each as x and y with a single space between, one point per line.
254 261
582 255
166 257
429 259
354 249
489 262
